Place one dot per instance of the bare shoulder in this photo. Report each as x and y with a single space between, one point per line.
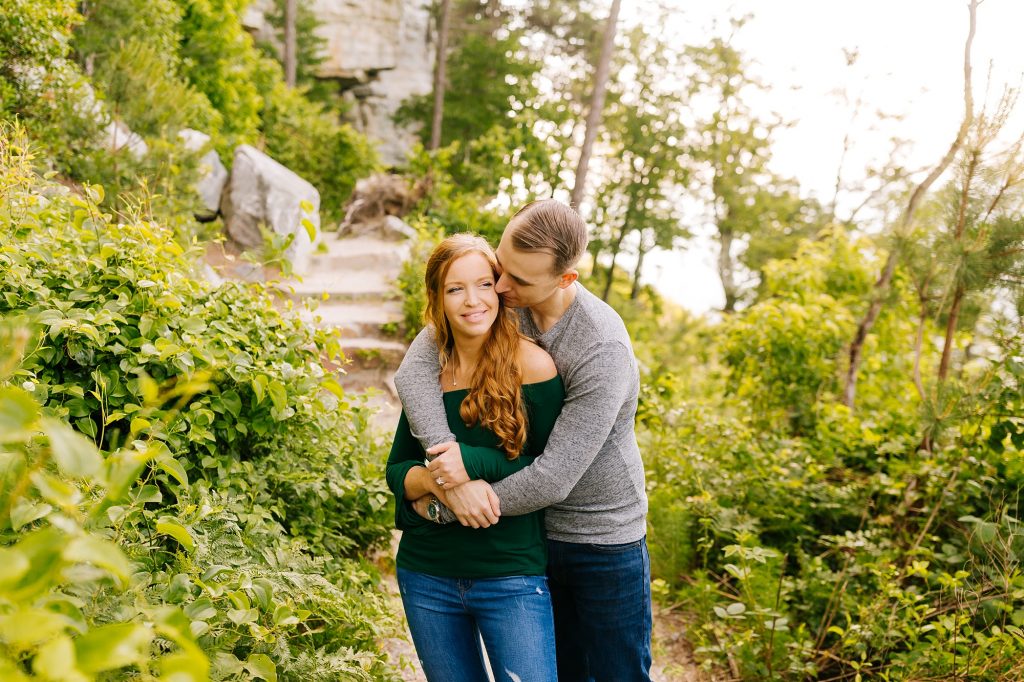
536 363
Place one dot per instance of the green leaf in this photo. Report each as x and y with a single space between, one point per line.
212 572
333 386
75 454
263 591
99 552
138 424
123 469
242 616
26 627
25 511
310 229
87 426
55 490
259 387
232 402
55 660
13 565
260 665
278 394
168 526
174 468
18 415
201 609
113 646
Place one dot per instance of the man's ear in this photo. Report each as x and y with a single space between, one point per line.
568 278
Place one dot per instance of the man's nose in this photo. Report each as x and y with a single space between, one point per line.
502 285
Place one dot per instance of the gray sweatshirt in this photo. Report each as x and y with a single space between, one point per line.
590 476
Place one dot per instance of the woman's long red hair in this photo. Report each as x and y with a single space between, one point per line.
495 399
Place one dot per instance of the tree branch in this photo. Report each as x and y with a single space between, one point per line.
881 287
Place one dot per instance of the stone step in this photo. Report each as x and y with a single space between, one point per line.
360 318
343 286
372 353
360 253
358 379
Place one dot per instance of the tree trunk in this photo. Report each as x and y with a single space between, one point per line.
634 293
440 67
727 270
616 247
954 316
291 59
959 292
881 287
596 104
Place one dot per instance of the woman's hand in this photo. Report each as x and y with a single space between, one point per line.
420 506
447 467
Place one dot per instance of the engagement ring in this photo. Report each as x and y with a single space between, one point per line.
440 480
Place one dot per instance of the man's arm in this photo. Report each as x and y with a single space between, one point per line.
420 391
595 393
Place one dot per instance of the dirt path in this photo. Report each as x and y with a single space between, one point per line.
673 656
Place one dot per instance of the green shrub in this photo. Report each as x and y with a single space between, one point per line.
259 485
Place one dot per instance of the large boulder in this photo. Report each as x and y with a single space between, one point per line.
212 173
118 136
262 192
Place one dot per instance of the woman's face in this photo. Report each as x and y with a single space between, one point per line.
470 303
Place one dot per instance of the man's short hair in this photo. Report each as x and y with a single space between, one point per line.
550 226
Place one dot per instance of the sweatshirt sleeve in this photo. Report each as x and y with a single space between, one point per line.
406 453
595 393
420 391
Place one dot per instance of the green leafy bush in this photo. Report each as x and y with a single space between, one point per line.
811 542
259 485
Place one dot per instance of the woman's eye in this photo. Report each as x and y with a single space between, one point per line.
487 284
454 290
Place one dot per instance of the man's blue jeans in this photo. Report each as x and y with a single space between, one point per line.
602 600
448 616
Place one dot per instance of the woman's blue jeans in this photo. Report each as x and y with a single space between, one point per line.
448 616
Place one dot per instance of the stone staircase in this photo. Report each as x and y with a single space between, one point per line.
355 284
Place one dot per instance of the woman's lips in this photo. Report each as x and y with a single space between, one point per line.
476 316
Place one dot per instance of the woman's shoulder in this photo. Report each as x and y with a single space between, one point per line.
536 363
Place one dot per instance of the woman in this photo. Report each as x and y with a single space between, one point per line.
502 394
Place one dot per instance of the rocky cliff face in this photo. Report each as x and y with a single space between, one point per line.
379 51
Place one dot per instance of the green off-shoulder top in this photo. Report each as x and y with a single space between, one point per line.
513 546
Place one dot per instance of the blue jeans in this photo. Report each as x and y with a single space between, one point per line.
448 616
602 600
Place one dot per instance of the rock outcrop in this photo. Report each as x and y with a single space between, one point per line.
380 53
260 192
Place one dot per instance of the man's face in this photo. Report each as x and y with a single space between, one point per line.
527 278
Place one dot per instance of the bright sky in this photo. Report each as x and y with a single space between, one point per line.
910 63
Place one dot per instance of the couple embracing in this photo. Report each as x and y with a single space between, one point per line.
525 528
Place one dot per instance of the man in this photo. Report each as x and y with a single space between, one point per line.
590 477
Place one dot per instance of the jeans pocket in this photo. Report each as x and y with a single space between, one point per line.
616 549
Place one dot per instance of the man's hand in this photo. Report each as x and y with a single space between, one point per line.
475 504
447 467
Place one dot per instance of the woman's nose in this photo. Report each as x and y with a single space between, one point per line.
471 296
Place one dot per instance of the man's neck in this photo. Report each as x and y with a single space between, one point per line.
548 312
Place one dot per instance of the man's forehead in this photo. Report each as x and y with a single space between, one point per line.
523 263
